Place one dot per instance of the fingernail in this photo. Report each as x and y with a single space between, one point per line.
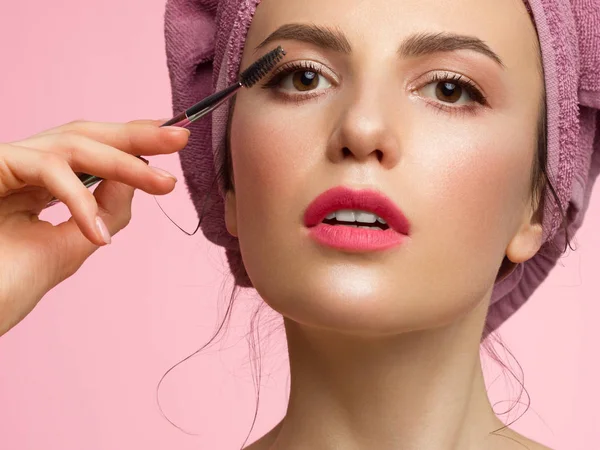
144 159
177 130
164 173
104 233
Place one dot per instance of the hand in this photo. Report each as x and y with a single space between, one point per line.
35 255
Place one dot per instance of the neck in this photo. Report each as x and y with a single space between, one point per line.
420 390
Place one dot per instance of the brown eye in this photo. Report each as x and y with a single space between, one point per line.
448 92
299 78
452 89
305 80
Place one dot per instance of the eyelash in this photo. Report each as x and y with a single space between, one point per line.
460 80
290 68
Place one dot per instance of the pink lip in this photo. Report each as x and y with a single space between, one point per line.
356 239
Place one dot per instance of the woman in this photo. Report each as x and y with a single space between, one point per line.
435 113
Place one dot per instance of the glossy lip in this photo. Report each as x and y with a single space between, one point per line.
350 238
368 200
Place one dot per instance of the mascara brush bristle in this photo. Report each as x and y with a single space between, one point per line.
260 68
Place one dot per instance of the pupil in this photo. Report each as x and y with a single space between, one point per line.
448 92
305 81
448 89
308 78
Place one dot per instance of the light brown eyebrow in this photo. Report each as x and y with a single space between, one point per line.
415 45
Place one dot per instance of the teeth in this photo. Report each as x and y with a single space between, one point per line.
348 215
366 217
345 215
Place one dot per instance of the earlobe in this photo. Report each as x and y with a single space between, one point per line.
525 244
231 213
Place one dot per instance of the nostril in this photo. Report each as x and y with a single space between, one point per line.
347 152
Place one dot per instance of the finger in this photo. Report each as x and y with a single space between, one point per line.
75 123
114 200
155 122
87 155
137 138
48 170
31 201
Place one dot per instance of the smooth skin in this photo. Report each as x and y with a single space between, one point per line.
36 255
384 347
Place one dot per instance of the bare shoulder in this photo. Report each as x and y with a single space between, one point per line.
532 445
505 439
511 440
514 441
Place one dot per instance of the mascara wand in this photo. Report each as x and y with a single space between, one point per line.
248 78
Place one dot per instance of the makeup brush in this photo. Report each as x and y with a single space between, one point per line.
247 79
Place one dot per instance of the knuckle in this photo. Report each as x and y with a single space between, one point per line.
83 200
119 171
51 160
125 167
88 196
68 142
76 125
131 140
68 139
8 180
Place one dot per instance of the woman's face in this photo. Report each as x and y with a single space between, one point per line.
432 103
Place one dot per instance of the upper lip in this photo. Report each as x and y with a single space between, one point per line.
369 200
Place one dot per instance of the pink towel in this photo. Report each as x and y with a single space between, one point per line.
204 42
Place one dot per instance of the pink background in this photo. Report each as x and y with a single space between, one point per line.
81 371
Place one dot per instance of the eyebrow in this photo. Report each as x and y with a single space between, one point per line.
415 45
420 44
324 37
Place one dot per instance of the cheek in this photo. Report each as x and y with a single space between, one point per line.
476 180
273 158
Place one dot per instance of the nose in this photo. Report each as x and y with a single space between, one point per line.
365 132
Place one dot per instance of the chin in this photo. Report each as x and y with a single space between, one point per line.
361 302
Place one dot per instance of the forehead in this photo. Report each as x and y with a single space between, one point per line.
504 25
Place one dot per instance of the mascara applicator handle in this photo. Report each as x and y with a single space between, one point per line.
248 78
182 120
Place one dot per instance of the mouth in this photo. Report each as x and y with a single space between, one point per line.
356 220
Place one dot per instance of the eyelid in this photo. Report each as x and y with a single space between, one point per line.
308 64
436 75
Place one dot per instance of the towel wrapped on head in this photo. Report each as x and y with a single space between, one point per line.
205 40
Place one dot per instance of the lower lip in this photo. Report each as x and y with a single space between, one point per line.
354 239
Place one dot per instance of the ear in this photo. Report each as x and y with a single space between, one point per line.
231 213
526 242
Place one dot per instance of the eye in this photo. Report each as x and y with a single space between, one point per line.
453 89
304 81
298 77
